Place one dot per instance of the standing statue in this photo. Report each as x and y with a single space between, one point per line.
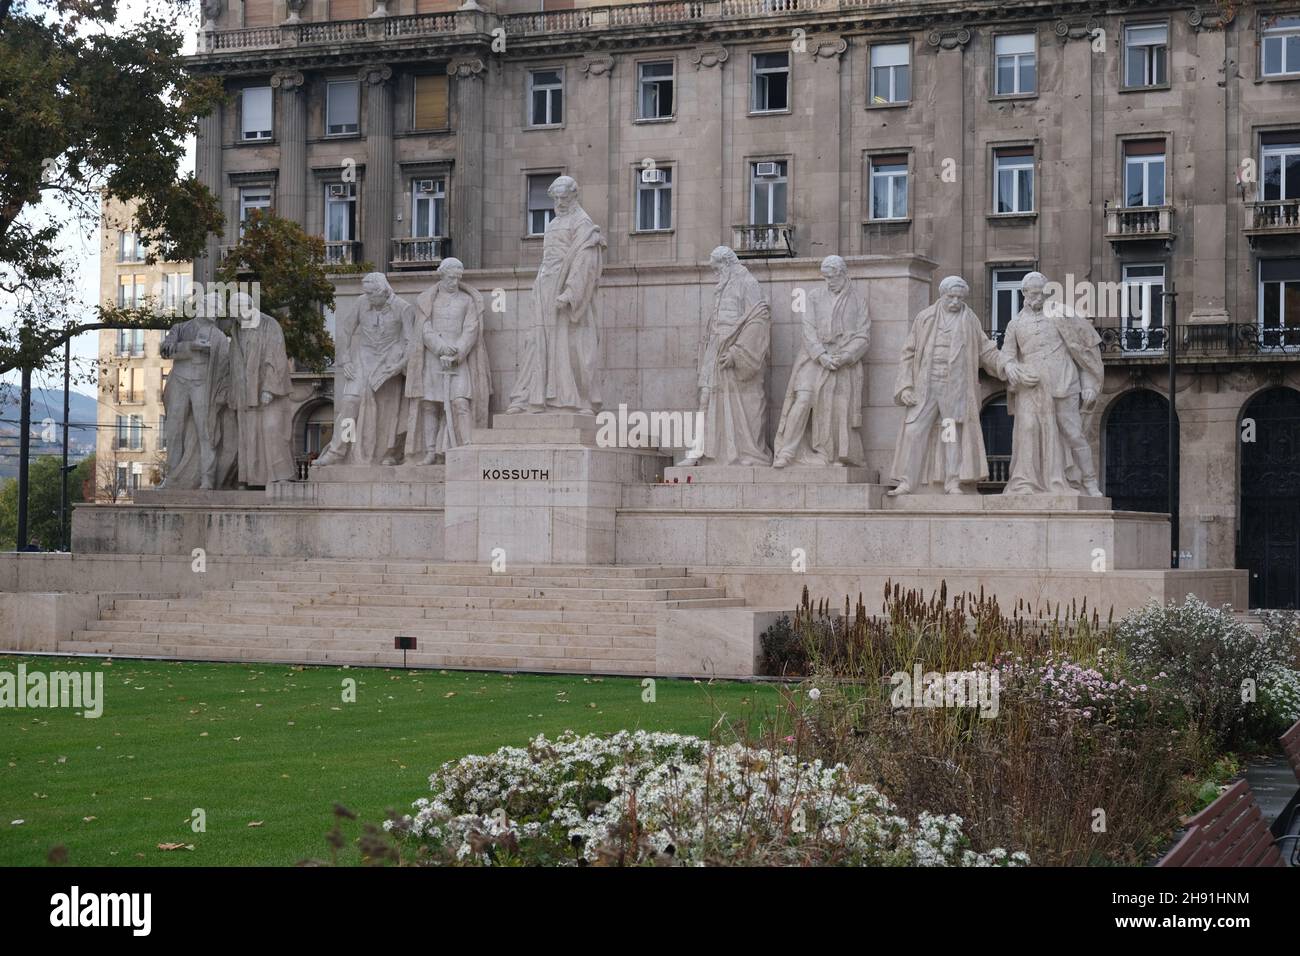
370 348
1054 367
448 382
195 394
733 365
561 350
823 402
259 393
940 443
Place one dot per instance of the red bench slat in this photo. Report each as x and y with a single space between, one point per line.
1229 832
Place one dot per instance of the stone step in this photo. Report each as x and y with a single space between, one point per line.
415 611
377 640
476 657
485 580
496 591
545 570
185 622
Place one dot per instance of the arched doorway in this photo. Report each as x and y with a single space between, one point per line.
1137 452
1268 534
996 426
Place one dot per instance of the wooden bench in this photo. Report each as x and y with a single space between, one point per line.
1291 747
1229 832
1286 820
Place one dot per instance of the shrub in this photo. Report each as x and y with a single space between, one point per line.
658 799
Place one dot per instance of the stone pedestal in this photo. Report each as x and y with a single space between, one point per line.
536 489
996 504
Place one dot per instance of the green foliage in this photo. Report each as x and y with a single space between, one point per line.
287 262
43 493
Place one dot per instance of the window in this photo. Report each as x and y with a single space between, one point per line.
428 207
1146 55
252 198
340 220
771 82
655 90
541 207
130 341
1144 308
130 386
1007 299
888 187
654 199
255 113
891 80
430 102
1279 303
342 107
176 290
1281 45
545 97
123 474
130 247
1144 173
1015 65
1280 167
161 443
767 194
131 291
130 433
1013 180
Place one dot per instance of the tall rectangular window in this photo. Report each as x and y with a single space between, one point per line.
176 290
1015 64
654 199
130 342
131 291
1146 55
252 199
340 221
1280 45
1280 167
161 440
891 80
130 247
888 187
545 97
1144 307
255 113
1144 173
541 207
767 193
655 90
1013 180
1279 303
1008 300
428 207
342 107
770 81
430 102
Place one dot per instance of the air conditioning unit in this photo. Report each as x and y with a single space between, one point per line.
341 190
424 185
652 176
766 170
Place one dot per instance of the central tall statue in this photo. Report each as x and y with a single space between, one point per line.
940 443
260 389
561 350
194 396
732 370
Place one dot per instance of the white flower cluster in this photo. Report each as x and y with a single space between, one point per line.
639 797
1279 689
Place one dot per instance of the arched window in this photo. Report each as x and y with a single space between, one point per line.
1268 533
996 425
1137 452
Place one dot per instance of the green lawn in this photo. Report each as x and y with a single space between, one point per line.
277 746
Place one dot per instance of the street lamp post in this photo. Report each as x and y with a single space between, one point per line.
1170 297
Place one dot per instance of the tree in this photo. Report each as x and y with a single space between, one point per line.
43 495
286 262
87 113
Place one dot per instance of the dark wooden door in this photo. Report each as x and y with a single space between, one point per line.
1268 539
1137 452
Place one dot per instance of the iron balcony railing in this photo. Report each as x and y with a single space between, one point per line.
1217 340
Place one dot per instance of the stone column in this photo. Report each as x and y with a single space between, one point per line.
1069 243
1209 231
823 212
208 168
709 200
291 190
467 80
949 224
377 201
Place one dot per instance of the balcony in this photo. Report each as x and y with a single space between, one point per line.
421 252
1201 344
1132 224
1132 340
1271 218
342 253
766 241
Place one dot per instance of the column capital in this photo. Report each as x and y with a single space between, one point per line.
466 68
706 57
1067 30
1217 19
376 74
948 38
290 81
827 48
597 66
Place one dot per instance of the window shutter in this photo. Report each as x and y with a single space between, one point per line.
1279 270
431 101
259 13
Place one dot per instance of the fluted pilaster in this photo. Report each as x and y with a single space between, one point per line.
291 190
378 200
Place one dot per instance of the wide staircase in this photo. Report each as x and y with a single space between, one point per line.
575 619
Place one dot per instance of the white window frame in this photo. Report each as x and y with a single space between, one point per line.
1001 281
1288 335
874 173
652 193
643 82
1147 51
769 183
130 246
437 206
554 94
1280 151
548 212
350 221
1279 35
1146 161
345 128
258 135
1018 166
249 199
890 95
758 82
1130 311
1020 60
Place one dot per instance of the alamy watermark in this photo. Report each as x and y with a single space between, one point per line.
638 429
76 690
933 689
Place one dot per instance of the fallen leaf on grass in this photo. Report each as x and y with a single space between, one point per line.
173 846
449 694
255 823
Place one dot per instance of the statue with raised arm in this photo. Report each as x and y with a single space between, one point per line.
822 414
448 382
561 346
1055 371
940 445
194 397
732 376
370 345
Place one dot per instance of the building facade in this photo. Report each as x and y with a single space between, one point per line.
1125 149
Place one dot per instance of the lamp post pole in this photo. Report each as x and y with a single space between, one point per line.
1170 297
